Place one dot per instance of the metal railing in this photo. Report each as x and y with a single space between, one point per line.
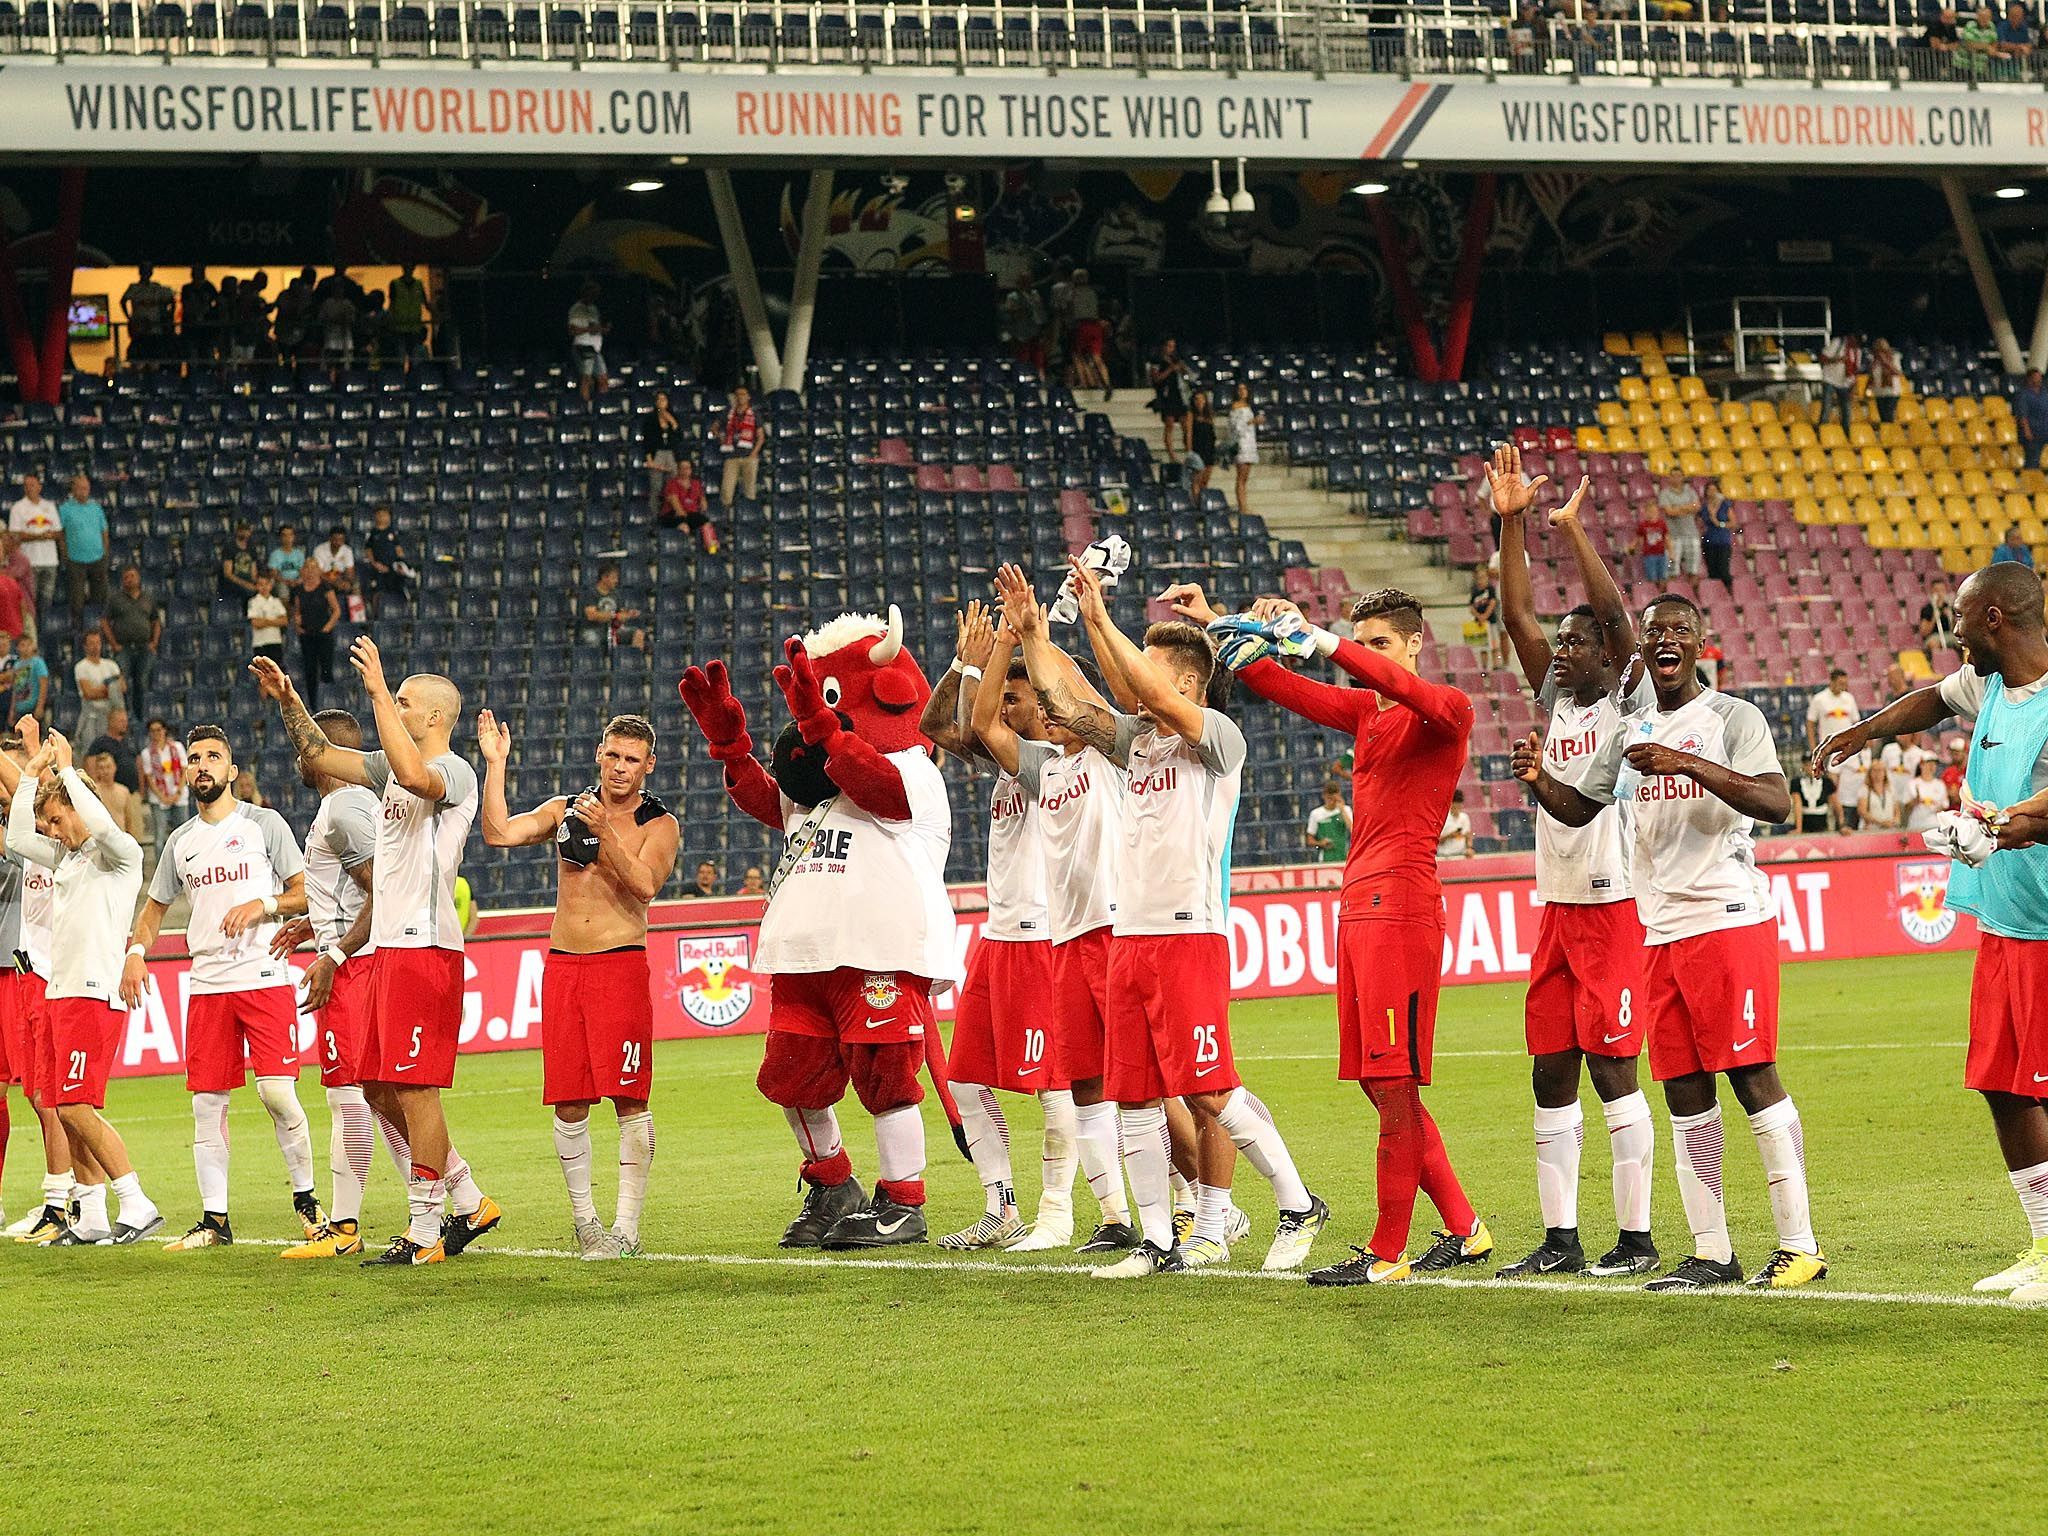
1625 38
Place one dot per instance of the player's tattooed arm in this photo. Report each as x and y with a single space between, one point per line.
946 713
1603 593
309 742
1053 676
1563 802
1512 497
1091 722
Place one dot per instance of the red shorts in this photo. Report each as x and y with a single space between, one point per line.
1710 1003
2009 1017
85 1035
39 1081
1080 1002
1169 1017
14 1048
1088 339
1586 980
345 1032
222 1028
415 1017
1388 976
596 1027
849 1004
1003 1035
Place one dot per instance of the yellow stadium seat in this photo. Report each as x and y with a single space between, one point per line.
1994 405
1672 413
1949 435
1614 344
1823 485
1673 341
1734 412
1913 483
1838 509
1642 341
1681 437
1813 461
1912 536
1916 663
1702 415
1874 461
1765 487
1650 437
1664 387
1971 531
2013 506
1772 436
1762 411
1661 460
1736 488
1890 434
1881 536
1710 436
1928 509
1832 436
2005 481
1845 461
1742 437
1590 440
1933 461
2032 482
1941 536
1692 462
1955 509
1755 461
1800 434
1936 408
1632 388
1911 408
2033 530
1862 435
1869 510
1943 483
2005 432
1963 407
1975 482
1722 463
1959 561
1855 483
1806 510
1621 440
1692 387
1653 365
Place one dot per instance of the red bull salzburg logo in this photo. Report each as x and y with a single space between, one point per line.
715 977
1922 900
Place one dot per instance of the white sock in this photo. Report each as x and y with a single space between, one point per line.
1560 1134
57 1190
1259 1139
1632 1139
426 1199
572 1147
210 1150
1697 1141
1101 1158
463 1194
137 1209
280 1095
1212 1205
817 1132
349 1151
636 1156
899 1144
92 1211
1056 1161
1782 1144
395 1144
988 1144
1183 1188
1150 1170
2031 1185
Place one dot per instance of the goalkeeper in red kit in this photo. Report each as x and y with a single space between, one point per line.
1410 741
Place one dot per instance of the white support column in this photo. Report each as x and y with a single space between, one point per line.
1972 241
2037 348
803 293
746 279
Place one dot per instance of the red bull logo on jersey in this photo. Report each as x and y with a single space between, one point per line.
1560 750
220 874
715 977
1922 902
1669 786
1074 791
1007 806
1691 741
1157 783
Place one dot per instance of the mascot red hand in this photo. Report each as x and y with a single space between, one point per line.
723 720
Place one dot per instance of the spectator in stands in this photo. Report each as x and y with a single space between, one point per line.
1329 825
14 560
405 316
267 616
1525 38
121 803
198 316
1880 810
1887 380
1021 321
372 329
387 574
336 318
114 743
29 677
1849 781
1940 38
1841 363
1455 840
1680 504
98 677
705 883
336 562
1485 607
246 789
34 521
1171 384
1200 462
133 627
2030 413
238 566
316 615
682 505
587 331
1929 797
2012 548
2016 34
287 557
1937 619
292 317
1902 755
1244 438
1953 770
1712 659
1831 710
661 446
147 306
13 607
604 620
1717 534
165 796
753 882
739 446
1980 52
85 547
1650 544
1816 803
1897 681
249 324
1084 351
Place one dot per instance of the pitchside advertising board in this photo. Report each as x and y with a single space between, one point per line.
1282 944
440 110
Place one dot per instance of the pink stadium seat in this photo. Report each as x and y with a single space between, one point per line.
934 477
1527 439
1463 549
1297 583
967 479
892 450
1076 504
1447 493
1558 439
1003 478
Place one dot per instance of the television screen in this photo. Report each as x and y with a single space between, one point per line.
89 317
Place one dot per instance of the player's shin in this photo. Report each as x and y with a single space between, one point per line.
988 1144
1697 1141
1398 1163
280 1096
572 1150
395 1143
636 1157
1259 1139
1056 1161
1102 1159
210 1150
1560 1136
1145 1160
2031 1185
1632 1139
426 1196
1781 1143
464 1194
899 1155
349 1138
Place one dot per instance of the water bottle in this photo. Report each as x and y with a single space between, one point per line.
1628 778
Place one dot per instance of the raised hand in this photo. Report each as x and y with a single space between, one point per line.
977 634
1187 599
1267 609
1088 592
134 978
31 730
369 664
1569 512
271 680
1528 758
707 691
493 737
1021 607
59 746
798 681
1654 758
1512 495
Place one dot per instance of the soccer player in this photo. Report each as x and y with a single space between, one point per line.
1698 768
1999 620
428 800
615 845
62 826
1409 747
1585 981
241 871
1168 1022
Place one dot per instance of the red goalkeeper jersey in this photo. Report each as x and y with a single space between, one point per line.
1411 738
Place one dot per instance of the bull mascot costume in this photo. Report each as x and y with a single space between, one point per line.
859 931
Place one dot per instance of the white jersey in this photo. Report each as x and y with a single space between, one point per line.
1693 863
38 916
93 900
245 856
1081 827
863 893
1584 866
1177 827
1016 864
10 911
343 838
419 851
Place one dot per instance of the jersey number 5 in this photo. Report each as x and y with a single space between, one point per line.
1206 1048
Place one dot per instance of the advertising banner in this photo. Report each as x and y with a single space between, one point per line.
1282 944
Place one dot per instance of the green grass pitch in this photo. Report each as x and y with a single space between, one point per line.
733 1389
